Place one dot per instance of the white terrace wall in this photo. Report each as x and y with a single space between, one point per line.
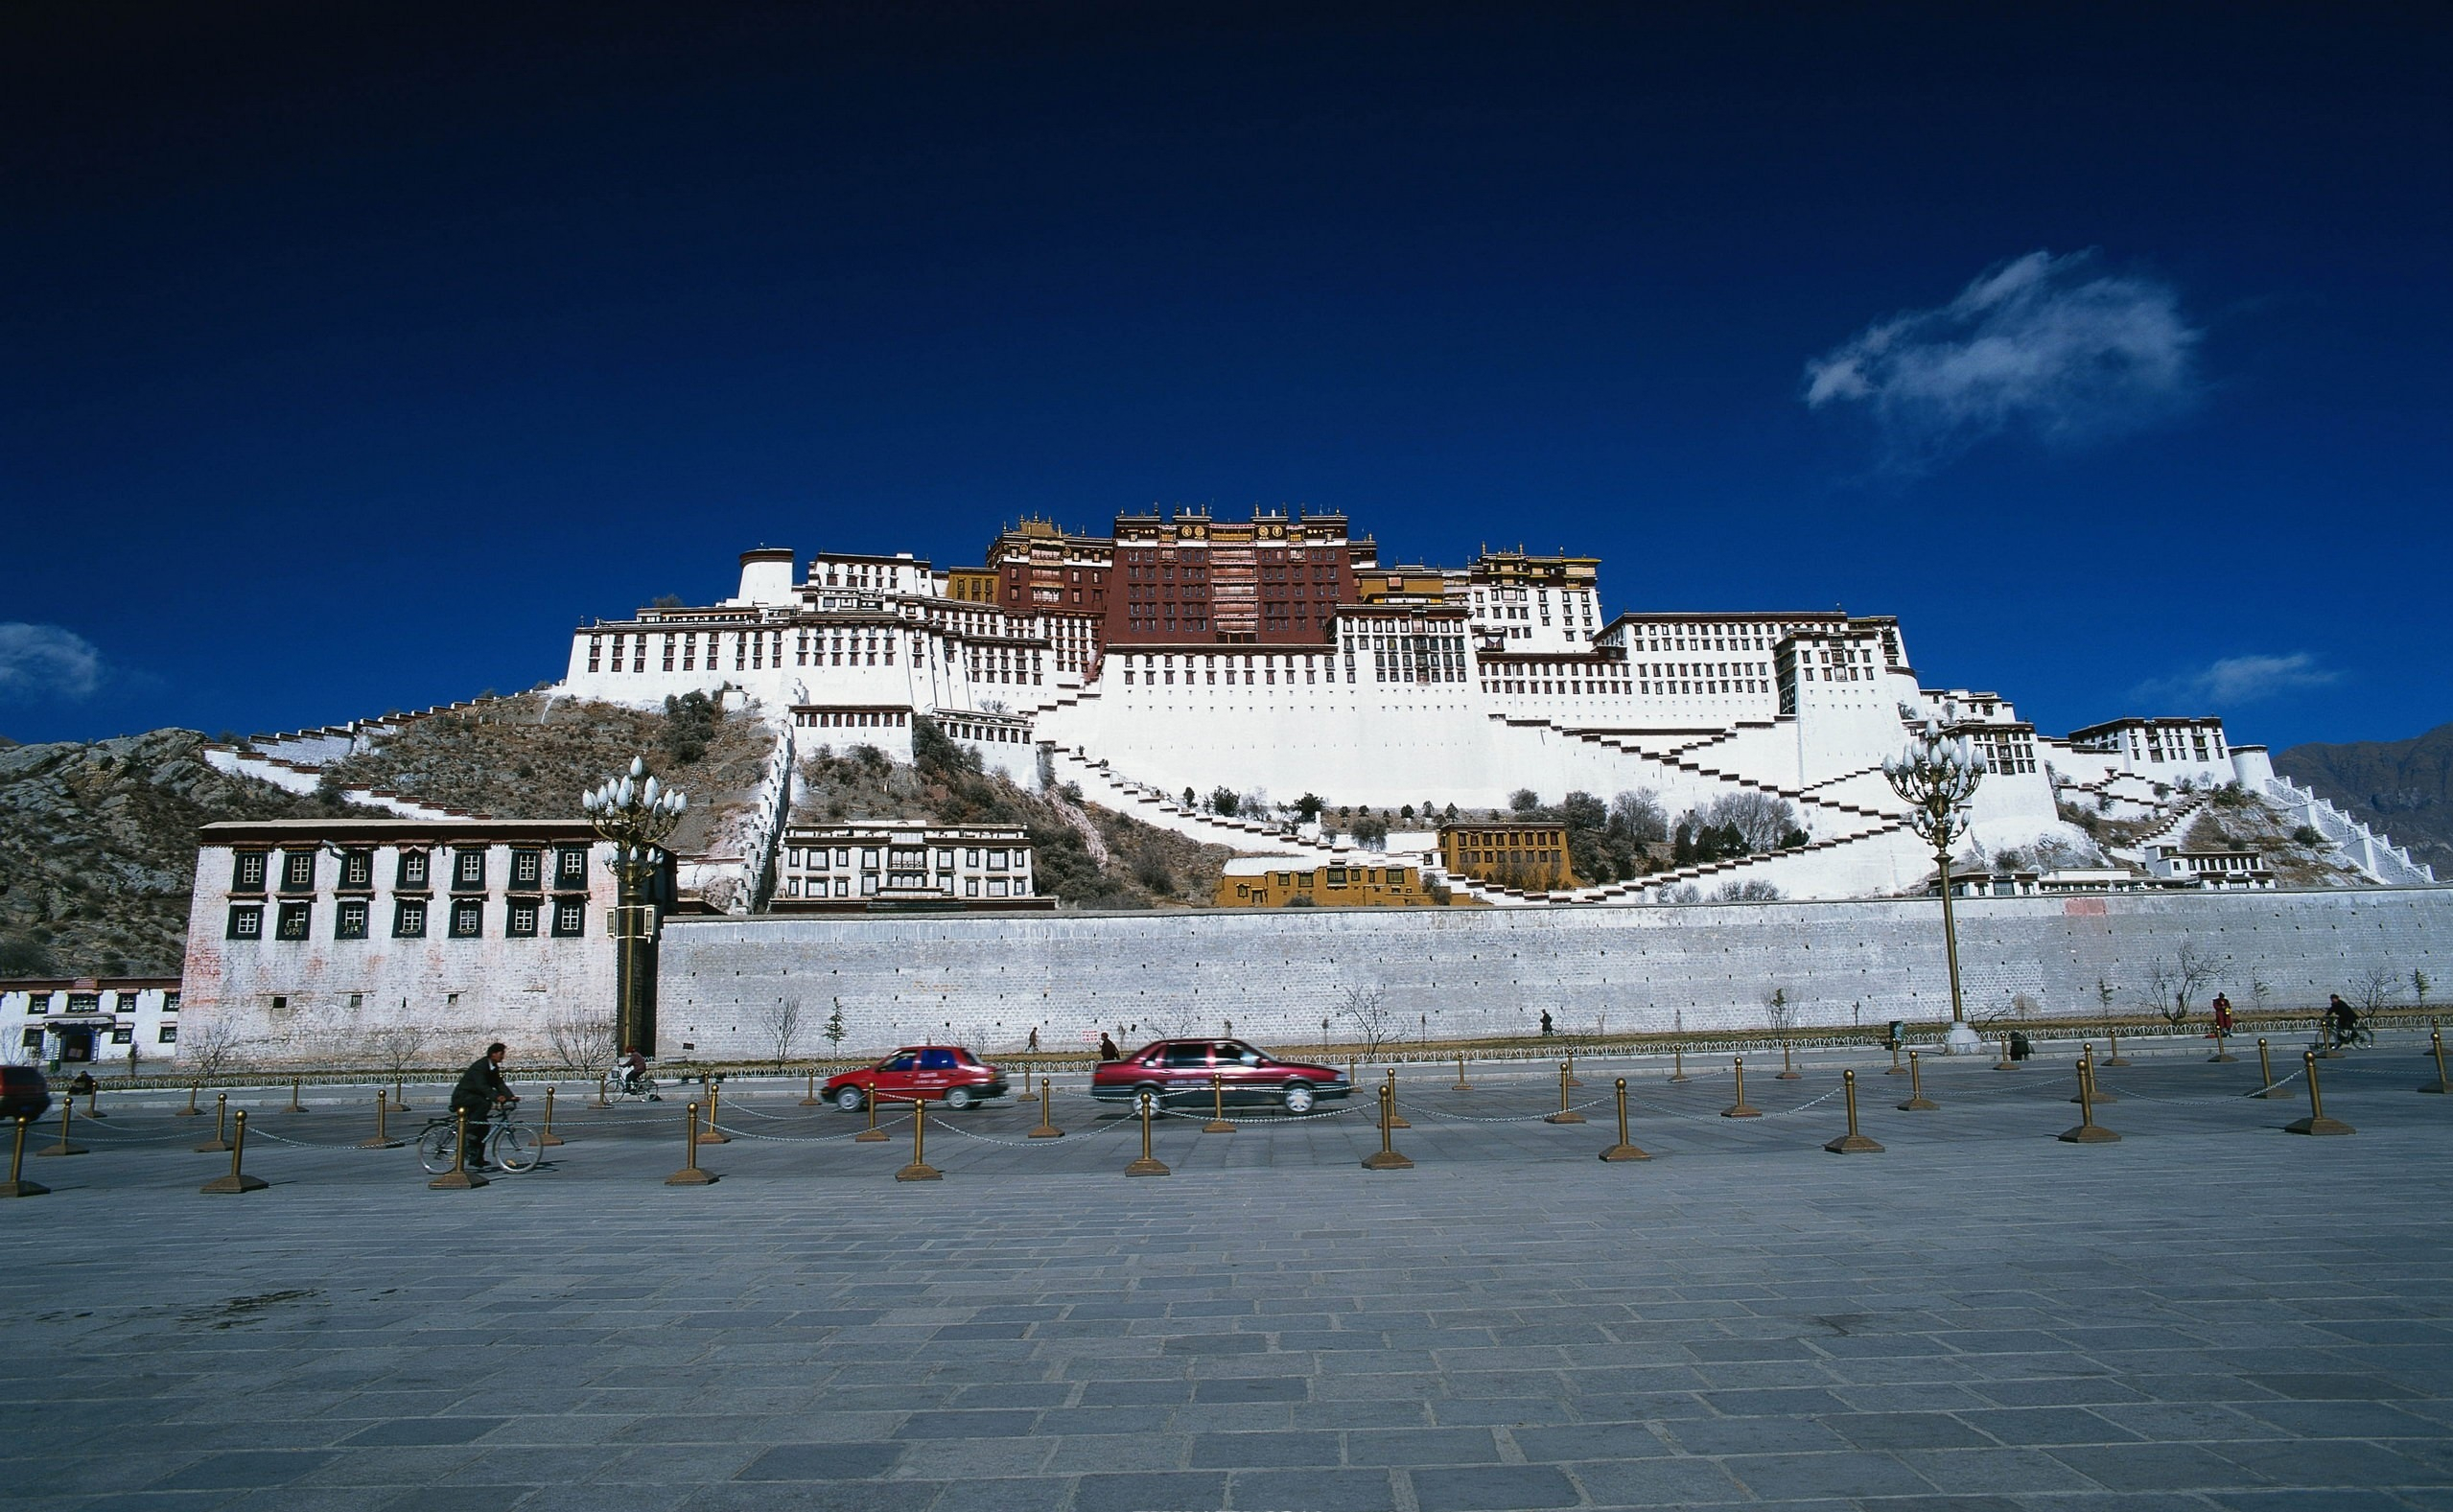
990 980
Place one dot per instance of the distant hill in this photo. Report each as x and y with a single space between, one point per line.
97 850
2401 787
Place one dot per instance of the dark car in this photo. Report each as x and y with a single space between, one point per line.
23 1093
1178 1071
927 1073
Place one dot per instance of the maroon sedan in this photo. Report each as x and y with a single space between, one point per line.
948 1073
1178 1071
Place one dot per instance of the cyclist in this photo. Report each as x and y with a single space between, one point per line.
2343 1020
480 1087
633 1070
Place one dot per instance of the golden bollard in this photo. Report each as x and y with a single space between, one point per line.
1217 1124
2223 1055
1852 1143
1462 1085
1897 1069
1678 1062
191 1111
382 1139
2436 1048
1565 1113
2005 1063
68 1110
1148 1165
692 1174
93 1094
2090 1088
1622 1150
1787 1072
546 1135
1388 1159
237 1180
220 1143
919 1169
460 1179
810 1096
710 1134
1571 1070
1396 1120
873 1134
1046 1128
2115 1060
1739 1108
1918 1102
2316 1123
2089 1131
18 1185
294 1105
2265 1074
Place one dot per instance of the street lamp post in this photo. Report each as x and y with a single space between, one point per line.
635 813
1936 776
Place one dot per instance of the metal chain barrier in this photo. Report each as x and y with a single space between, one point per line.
1033 1144
1508 1117
2125 1094
1283 1117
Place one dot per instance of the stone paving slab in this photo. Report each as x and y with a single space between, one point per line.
2211 1313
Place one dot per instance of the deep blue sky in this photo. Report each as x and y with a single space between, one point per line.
351 355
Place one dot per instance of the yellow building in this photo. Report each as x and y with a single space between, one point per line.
1276 881
975 585
1527 854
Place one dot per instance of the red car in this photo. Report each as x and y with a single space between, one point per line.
1178 1071
23 1093
931 1073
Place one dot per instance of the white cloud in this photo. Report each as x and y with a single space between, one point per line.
2047 345
46 659
2241 680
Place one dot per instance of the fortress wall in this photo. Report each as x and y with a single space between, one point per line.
988 980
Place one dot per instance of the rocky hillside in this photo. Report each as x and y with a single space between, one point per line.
2401 787
530 757
97 850
1085 855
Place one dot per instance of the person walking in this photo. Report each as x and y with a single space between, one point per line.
1107 1048
480 1087
1546 1023
2222 1017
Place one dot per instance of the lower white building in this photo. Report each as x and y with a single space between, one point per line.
129 1021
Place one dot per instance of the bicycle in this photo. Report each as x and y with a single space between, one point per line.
641 1088
509 1143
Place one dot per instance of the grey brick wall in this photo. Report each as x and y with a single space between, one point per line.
988 981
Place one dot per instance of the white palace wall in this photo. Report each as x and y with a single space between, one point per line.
990 980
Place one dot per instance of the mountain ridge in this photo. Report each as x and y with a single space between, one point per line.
2403 788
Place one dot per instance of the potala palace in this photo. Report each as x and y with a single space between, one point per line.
1278 654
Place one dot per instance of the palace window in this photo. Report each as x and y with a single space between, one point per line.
248 872
408 918
298 871
468 918
521 921
357 869
527 869
246 921
349 919
570 918
570 866
414 872
293 921
468 870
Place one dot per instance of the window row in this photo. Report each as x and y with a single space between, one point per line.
38 1004
120 1034
413 872
353 919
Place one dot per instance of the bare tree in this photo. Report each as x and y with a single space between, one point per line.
1782 1010
2372 989
2191 969
835 1028
1375 1023
1763 820
396 1049
2163 996
1640 817
581 1042
782 1021
210 1048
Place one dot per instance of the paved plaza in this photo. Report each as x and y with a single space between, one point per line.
2211 1313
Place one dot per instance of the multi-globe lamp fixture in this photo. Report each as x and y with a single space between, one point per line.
1936 776
635 812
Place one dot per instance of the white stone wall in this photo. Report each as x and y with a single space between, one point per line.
988 981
